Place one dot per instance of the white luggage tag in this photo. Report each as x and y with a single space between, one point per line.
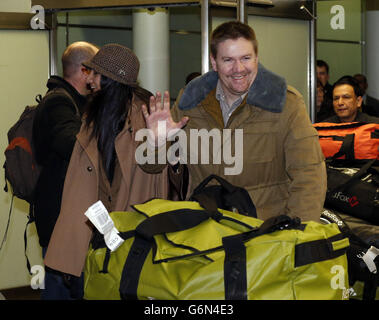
100 218
369 258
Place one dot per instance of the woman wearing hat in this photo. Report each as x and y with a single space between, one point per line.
103 165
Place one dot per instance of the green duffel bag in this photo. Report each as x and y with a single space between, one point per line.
178 250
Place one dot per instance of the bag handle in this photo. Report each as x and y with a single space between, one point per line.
332 217
210 204
359 174
225 184
173 221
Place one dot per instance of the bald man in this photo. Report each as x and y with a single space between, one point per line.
57 121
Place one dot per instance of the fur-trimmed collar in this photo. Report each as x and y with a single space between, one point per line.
267 92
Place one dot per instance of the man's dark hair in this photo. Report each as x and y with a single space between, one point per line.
322 63
349 80
232 30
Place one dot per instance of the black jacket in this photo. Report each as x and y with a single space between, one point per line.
371 106
328 91
54 133
360 117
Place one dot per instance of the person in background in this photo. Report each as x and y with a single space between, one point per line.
324 104
103 165
347 99
370 105
322 71
57 121
283 167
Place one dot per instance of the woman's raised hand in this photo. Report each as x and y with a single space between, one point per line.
159 119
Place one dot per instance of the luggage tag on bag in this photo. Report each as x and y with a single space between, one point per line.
100 218
369 258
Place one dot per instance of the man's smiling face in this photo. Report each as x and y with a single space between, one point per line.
237 66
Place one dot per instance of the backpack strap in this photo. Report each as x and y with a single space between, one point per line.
38 98
5 177
7 227
31 219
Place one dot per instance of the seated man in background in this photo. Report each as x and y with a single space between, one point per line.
347 99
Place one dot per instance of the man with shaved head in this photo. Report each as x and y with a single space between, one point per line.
57 121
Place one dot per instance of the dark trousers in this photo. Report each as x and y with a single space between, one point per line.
60 287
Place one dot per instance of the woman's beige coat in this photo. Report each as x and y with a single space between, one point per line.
72 233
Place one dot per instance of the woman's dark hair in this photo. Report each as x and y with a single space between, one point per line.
107 110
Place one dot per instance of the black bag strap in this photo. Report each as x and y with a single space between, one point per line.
38 98
7 227
358 175
234 192
173 221
5 177
208 203
133 267
225 184
340 126
235 275
344 228
347 148
31 219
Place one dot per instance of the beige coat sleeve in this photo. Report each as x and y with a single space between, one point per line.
305 164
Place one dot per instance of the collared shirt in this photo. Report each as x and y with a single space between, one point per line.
227 110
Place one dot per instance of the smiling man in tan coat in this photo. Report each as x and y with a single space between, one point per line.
282 166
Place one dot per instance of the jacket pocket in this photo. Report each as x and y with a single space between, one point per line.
260 142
